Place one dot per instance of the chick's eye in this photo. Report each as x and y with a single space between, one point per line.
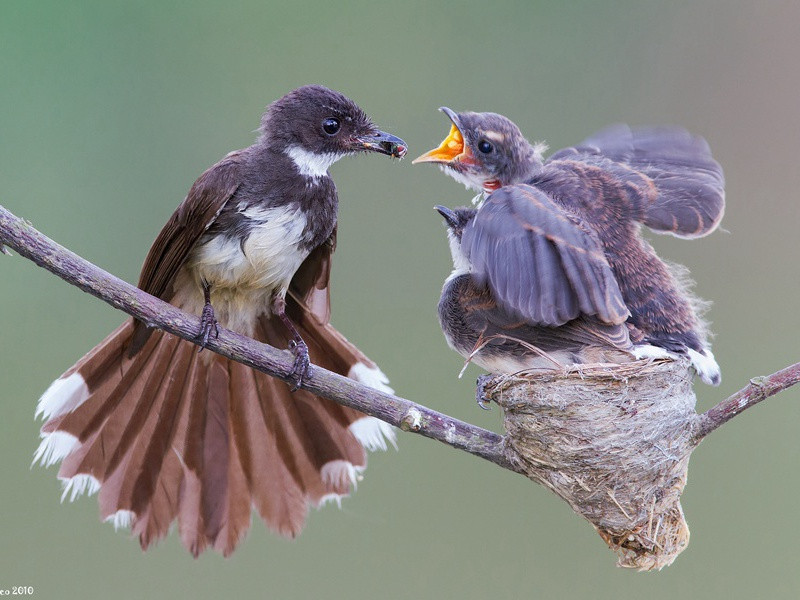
331 126
485 146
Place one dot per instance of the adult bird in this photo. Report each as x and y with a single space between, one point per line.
163 431
554 247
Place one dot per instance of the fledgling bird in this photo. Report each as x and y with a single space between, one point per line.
163 431
494 335
556 243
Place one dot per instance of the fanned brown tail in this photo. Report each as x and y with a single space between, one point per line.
172 433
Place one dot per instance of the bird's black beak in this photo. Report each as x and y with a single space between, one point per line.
452 149
452 115
383 143
449 216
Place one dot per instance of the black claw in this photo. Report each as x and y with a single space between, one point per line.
480 392
208 321
301 369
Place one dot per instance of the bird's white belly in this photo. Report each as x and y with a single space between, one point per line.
244 277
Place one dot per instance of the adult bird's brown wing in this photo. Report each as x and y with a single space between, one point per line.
193 217
308 303
539 261
310 285
690 186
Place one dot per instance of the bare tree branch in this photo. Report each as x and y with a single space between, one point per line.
759 388
20 236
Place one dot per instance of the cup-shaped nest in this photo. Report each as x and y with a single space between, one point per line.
614 442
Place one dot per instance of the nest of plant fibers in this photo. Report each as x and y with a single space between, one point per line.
614 442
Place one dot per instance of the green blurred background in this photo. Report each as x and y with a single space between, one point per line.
108 112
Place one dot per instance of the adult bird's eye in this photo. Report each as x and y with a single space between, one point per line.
331 126
485 146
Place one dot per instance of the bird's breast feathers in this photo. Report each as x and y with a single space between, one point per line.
266 256
245 270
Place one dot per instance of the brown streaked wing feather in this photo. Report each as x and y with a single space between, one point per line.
589 331
539 262
690 184
149 393
308 304
333 351
191 525
226 495
316 428
112 453
216 449
129 455
190 517
329 349
309 286
96 366
190 220
154 503
101 421
332 439
483 315
154 520
276 495
102 369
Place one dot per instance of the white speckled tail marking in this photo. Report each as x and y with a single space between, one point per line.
340 473
121 519
54 447
370 376
64 395
706 366
372 433
77 486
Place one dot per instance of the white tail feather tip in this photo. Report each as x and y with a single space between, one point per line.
330 499
706 366
54 447
77 486
340 473
373 433
64 395
121 519
370 376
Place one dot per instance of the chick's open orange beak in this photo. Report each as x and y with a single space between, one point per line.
451 149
